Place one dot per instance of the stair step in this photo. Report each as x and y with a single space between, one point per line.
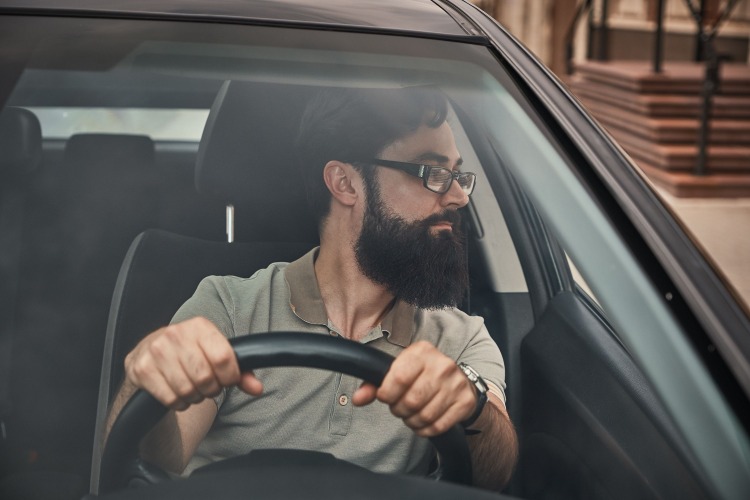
686 185
670 130
720 159
661 105
676 77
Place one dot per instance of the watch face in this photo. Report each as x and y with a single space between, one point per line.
474 377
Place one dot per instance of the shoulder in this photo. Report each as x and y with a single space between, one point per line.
239 287
450 330
450 320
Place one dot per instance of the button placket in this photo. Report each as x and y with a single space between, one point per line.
342 411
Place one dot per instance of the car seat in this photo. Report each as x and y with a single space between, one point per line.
246 158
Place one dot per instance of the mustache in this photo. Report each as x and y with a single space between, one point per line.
451 216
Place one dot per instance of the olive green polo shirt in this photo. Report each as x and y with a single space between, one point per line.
304 408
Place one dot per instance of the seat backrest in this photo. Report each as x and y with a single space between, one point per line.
160 272
249 125
21 146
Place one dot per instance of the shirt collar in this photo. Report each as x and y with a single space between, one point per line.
398 324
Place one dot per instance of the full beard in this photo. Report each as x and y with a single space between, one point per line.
421 268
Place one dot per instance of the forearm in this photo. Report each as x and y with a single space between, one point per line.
494 449
163 446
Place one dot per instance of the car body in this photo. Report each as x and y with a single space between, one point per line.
628 380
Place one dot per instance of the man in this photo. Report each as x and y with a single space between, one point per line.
382 172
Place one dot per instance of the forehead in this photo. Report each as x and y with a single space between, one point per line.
434 144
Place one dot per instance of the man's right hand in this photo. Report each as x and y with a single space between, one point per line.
184 363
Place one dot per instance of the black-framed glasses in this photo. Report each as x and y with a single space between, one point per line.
436 179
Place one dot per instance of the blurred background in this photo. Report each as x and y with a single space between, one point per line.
670 81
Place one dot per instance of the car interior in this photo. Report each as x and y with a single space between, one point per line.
108 233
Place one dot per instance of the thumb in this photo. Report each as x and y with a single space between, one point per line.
250 384
364 395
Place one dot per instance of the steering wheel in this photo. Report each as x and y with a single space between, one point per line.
265 350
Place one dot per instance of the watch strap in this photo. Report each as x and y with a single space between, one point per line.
481 387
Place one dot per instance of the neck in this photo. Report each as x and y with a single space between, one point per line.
353 303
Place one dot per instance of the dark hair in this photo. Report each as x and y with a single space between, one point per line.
355 124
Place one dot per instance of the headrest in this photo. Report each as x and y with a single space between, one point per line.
247 148
107 153
20 142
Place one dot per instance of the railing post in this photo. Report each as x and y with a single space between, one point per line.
659 36
603 52
571 32
700 39
710 86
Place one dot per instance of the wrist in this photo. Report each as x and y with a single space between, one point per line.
480 388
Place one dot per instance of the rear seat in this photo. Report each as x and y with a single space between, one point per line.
82 219
21 146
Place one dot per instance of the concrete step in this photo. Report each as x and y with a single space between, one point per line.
656 119
669 130
660 105
713 185
676 77
682 157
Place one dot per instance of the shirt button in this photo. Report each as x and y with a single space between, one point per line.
343 399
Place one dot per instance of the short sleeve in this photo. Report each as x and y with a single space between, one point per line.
212 301
482 354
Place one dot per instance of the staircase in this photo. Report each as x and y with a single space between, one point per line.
656 119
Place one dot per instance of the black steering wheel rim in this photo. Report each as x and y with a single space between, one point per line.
143 412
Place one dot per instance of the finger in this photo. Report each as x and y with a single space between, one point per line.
173 360
221 358
452 416
144 375
364 395
250 384
401 375
429 413
419 395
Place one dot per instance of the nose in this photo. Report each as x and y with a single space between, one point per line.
455 196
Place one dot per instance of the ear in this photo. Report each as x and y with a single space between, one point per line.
341 180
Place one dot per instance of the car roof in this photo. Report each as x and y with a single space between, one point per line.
419 16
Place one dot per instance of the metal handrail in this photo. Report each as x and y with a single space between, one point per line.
707 52
581 9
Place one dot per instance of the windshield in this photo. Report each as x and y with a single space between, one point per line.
130 141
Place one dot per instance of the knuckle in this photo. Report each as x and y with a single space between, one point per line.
400 378
171 333
140 368
428 415
204 379
184 390
440 427
423 346
160 346
170 401
412 402
222 358
446 365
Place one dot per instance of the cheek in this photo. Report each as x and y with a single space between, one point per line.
408 199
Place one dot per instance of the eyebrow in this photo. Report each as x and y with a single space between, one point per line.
437 158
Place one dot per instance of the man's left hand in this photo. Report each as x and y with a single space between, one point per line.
425 388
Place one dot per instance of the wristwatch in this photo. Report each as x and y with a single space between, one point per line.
481 386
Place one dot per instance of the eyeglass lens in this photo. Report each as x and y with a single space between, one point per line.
440 180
